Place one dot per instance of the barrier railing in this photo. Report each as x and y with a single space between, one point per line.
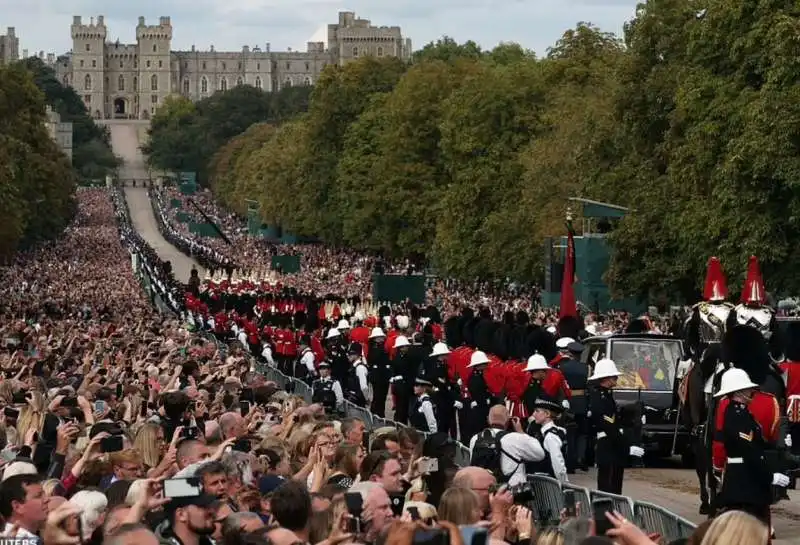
654 518
622 504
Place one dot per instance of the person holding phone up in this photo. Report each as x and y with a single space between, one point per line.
612 448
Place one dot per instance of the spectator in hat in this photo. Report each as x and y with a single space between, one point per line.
553 438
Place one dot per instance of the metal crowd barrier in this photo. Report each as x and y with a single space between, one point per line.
549 492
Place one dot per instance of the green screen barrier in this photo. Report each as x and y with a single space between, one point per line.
289 264
396 288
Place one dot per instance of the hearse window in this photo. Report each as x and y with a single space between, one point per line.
646 364
594 353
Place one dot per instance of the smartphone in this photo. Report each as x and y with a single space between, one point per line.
11 412
413 512
244 407
355 506
182 488
600 507
570 508
429 465
242 445
100 406
111 444
191 432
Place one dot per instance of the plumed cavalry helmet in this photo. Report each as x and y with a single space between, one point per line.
716 289
753 293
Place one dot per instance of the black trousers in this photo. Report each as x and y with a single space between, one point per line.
380 390
609 478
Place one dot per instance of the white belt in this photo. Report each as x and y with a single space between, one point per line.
735 460
602 435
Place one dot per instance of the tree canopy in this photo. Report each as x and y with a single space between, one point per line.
92 157
469 156
185 135
37 181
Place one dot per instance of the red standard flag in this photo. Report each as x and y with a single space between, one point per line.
568 305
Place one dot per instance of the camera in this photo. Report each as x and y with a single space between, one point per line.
523 493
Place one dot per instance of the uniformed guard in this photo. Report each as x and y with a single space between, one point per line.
337 354
305 367
747 479
404 370
553 438
480 398
611 446
357 383
380 371
753 312
446 393
326 390
423 415
538 369
576 374
791 369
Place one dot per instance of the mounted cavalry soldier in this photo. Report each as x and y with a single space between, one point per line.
706 325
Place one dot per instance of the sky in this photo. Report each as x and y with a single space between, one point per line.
228 25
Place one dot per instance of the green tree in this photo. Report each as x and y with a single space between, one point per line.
37 181
92 156
448 50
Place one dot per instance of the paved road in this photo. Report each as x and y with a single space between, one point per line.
126 138
145 223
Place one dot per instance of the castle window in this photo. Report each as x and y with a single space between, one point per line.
239 81
88 47
154 83
307 81
161 64
355 52
154 99
135 83
66 80
308 66
105 83
288 82
186 87
204 85
204 65
288 66
120 64
135 63
240 66
258 83
380 51
81 63
224 66
94 64
87 82
186 65
121 83
87 98
223 84
258 66
155 48
148 64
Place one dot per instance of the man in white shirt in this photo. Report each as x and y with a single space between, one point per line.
22 504
517 447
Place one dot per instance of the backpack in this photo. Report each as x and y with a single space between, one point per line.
487 451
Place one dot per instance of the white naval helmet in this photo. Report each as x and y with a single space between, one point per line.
537 363
333 333
402 322
605 368
478 358
343 324
564 342
440 349
734 380
401 340
376 332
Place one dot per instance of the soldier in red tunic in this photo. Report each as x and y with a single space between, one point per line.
791 369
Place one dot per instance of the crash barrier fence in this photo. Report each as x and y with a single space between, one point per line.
548 492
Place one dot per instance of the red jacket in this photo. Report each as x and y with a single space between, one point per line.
554 385
360 335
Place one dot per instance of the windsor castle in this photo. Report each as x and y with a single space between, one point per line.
130 81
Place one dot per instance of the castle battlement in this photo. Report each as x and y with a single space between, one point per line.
162 31
92 31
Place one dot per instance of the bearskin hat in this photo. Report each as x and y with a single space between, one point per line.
508 318
745 348
384 310
502 340
484 312
791 341
452 331
299 319
523 318
483 335
569 326
469 331
433 314
639 325
415 313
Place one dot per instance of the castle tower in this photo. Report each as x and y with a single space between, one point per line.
88 66
155 81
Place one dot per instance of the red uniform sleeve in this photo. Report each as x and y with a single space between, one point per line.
718 454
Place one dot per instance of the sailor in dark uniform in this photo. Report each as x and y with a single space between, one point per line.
612 448
326 390
553 438
380 370
576 374
446 393
747 480
423 414
480 398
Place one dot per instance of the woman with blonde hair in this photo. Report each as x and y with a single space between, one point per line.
31 417
736 528
151 444
461 506
346 465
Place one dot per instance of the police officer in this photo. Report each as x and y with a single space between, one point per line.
305 368
577 376
357 383
553 438
747 480
337 354
423 415
611 446
326 390
380 371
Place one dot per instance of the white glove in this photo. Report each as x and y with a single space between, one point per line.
473 404
565 404
396 378
588 414
638 452
779 479
458 405
788 441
